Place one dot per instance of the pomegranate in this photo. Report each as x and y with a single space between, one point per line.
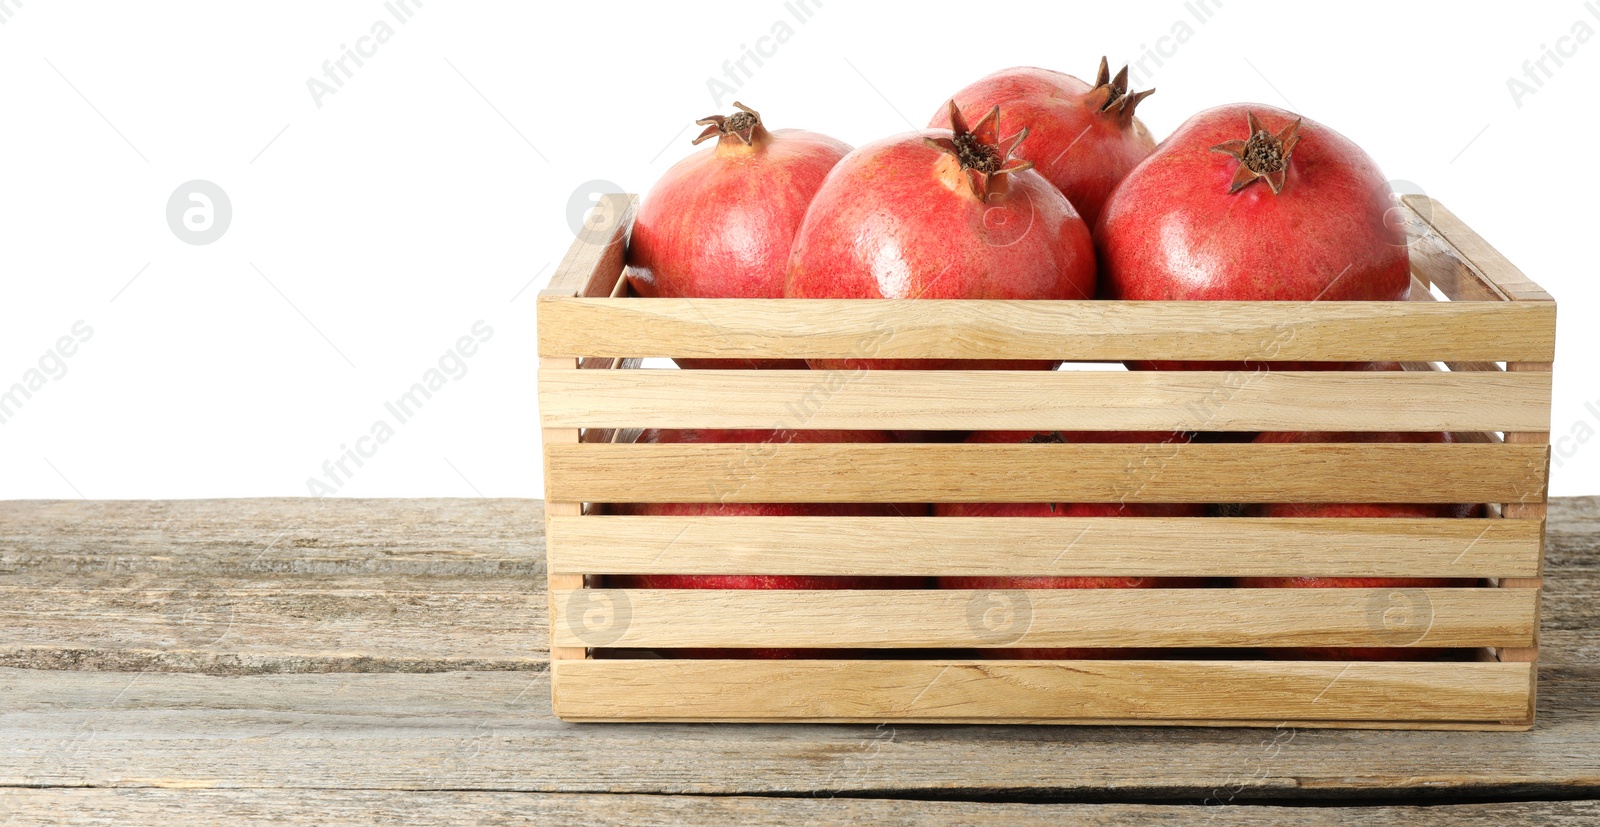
1070 510
719 223
1360 510
941 214
1248 202
761 581
1081 138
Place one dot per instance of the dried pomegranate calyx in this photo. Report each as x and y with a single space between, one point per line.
1110 94
1263 155
984 157
745 125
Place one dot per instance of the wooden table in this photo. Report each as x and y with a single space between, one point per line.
361 661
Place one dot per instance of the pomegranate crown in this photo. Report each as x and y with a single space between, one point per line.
1110 94
984 157
744 125
1263 155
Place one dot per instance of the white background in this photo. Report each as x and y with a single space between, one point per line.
433 190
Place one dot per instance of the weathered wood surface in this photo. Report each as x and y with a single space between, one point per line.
239 586
116 808
131 600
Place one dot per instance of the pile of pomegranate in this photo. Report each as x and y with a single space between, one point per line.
1027 184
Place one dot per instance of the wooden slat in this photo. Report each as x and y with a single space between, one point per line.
1443 230
362 808
618 289
1063 546
1043 618
595 259
1440 263
889 690
1081 330
1060 400
1420 293
795 472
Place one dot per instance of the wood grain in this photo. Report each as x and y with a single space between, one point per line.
1081 330
1060 400
337 808
1526 506
1437 260
917 473
1040 691
253 586
492 731
594 261
363 585
1421 293
999 618
461 731
553 437
1062 546
1443 231
592 268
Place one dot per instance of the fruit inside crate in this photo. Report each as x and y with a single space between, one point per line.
1209 656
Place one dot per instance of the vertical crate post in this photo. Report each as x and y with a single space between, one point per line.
1529 510
1503 278
591 267
562 436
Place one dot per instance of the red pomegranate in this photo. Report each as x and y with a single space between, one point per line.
1069 510
1081 138
720 223
762 581
1359 510
1248 202
941 214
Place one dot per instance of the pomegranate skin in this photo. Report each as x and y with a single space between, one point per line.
1070 510
761 581
720 223
1080 148
896 219
1412 510
1173 230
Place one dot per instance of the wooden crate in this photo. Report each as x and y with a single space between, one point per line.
592 336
